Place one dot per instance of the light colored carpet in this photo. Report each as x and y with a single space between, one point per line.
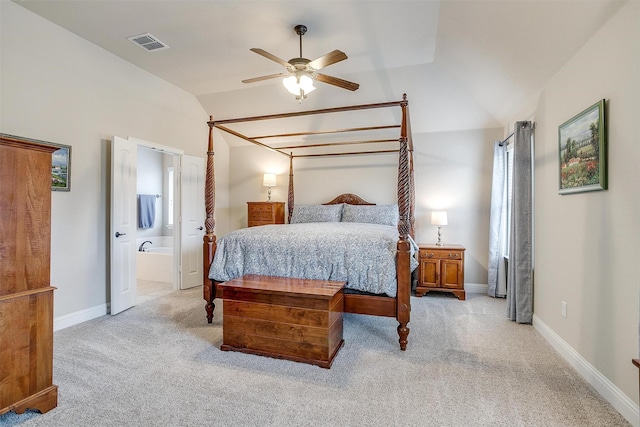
159 364
149 289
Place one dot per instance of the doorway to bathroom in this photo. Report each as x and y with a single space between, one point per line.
155 261
157 215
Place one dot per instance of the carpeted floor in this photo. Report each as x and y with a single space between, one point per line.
159 364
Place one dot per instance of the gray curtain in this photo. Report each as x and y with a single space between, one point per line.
498 221
520 274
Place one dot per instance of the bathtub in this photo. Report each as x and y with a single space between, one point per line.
160 250
157 263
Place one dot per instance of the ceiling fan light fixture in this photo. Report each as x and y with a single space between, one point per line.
301 72
299 85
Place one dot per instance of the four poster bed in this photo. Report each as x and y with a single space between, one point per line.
361 295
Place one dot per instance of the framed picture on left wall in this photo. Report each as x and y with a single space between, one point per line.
61 168
60 163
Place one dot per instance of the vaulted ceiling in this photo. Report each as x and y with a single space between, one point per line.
464 64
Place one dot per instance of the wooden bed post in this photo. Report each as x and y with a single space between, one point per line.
290 194
412 182
209 239
403 264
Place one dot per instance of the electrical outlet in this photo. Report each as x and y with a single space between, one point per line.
564 309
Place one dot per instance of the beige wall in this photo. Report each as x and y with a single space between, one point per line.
58 87
452 172
587 244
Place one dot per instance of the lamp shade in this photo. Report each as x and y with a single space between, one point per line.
439 218
295 83
269 180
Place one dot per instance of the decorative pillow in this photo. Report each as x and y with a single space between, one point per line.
372 214
316 213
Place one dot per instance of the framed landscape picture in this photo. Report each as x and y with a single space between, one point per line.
582 144
61 168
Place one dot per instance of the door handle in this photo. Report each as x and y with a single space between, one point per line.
200 228
118 234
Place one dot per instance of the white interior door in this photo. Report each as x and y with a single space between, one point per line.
123 224
192 197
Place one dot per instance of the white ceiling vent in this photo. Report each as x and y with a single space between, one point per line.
148 42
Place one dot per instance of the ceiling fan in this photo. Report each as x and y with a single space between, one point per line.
301 72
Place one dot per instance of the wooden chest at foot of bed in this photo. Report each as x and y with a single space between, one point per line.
294 319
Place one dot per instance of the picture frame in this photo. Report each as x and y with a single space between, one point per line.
60 163
61 168
582 151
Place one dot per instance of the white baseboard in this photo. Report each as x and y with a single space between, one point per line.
476 288
620 401
71 319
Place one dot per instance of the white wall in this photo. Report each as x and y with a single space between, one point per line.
452 172
58 87
587 244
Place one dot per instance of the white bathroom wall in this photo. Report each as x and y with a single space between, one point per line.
150 181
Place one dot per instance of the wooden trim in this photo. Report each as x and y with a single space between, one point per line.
246 138
309 112
43 401
324 132
32 144
332 144
27 293
352 153
372 305
254 140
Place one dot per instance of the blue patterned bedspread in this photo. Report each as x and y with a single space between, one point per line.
363 255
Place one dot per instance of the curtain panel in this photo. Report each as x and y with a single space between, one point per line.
498 221
520 274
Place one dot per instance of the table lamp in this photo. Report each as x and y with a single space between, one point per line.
269 180
439 218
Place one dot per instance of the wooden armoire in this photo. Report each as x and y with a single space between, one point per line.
26 295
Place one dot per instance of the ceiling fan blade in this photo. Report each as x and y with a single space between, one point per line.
259 79
328 59
337 82
270 56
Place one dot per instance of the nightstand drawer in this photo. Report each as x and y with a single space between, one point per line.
264 213
441 254
260 216
261 208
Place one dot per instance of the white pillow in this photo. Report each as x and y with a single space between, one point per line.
371 214
316 213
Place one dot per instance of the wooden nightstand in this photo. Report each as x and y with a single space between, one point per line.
441 269
264 213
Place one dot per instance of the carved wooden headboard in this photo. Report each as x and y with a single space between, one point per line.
350 199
